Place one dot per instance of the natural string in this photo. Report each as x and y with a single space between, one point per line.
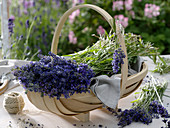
8 102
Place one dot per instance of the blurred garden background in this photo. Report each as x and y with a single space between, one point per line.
32 24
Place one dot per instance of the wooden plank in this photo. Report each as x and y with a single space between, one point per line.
4 31
0 34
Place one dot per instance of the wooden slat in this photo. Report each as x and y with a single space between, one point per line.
91 100
76 106
50 104
37 100
4 86
131 88
63 109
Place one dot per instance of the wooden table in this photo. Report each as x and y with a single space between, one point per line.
99 117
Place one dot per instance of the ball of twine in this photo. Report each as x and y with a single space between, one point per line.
13 102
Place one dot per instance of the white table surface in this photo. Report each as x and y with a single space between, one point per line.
97 117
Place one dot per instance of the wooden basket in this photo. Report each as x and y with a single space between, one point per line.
79 105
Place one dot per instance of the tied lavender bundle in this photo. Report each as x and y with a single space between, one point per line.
54 75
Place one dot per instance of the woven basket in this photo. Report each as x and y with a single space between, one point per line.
79 105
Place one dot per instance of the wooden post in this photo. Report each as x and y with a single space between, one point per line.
1 34
4 28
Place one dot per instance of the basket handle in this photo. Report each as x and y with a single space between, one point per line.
109 19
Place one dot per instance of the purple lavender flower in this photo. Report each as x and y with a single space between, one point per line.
27 24
117 60
11 26
28 4
57 2
21 37
33 3
35 18
169 124
47 1
156 108
81 1
21 23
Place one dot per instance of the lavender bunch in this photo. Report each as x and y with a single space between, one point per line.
54 75
140 114
126 117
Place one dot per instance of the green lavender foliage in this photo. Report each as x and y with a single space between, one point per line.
163 66
152 90
100 55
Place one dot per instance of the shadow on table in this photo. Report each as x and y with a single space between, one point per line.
98 119
24 121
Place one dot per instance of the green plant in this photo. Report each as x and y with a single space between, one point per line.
87 22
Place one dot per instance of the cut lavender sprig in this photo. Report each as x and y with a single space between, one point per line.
137 115
140 114
147 106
